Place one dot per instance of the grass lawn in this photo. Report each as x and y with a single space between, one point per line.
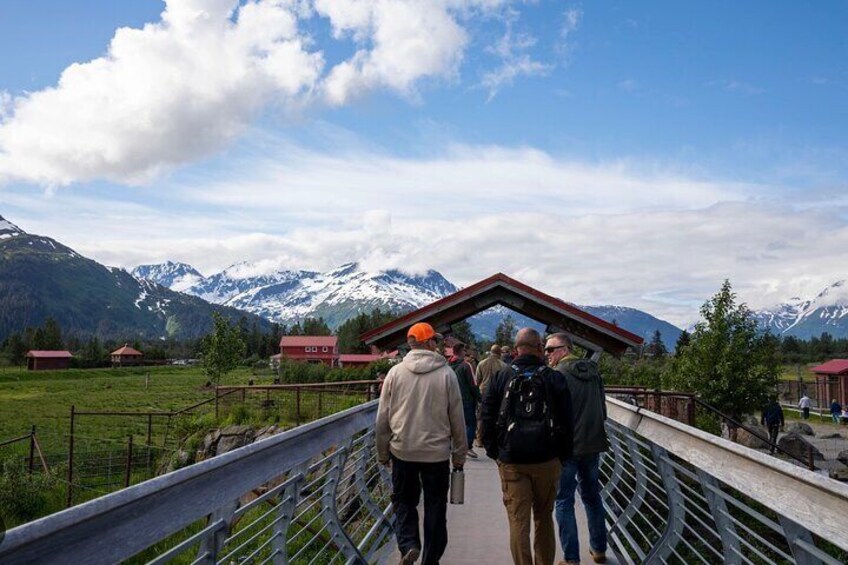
790 372
44 398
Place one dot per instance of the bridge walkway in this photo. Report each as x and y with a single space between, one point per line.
478 531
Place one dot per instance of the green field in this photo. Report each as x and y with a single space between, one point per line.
44 398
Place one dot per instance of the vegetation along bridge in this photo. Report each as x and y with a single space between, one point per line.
316 495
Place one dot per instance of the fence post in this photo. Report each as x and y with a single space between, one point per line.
71 461
297 406
149 438
31 448
129 460
320 402
216 403
690 411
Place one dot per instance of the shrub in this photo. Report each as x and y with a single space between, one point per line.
24 496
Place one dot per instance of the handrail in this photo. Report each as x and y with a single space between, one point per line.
804 497
142 515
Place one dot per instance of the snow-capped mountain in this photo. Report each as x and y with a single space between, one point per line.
176 276
827 312
289 296
8 229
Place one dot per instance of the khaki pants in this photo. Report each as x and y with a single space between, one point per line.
531 487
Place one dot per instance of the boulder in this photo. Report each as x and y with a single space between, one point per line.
800 428
843 456
233 437
267 432
799 447
743 437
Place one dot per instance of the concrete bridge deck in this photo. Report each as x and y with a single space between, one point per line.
478 531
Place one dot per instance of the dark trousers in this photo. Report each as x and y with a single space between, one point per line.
773 431
408 478
806 413
469 410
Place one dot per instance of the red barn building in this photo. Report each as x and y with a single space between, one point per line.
126 356
311 349
832 382
39 360
357 360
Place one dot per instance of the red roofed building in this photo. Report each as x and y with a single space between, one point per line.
38 360
832 381
311 349
358 360
126 356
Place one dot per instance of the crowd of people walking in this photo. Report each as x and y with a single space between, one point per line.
540 414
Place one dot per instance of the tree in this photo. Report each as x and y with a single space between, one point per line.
462 331
729 362
349 332
316 326
52 335
223 349
15 349
505 332
656 348
682 341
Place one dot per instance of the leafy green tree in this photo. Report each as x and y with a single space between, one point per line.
682 341
349 332
505 332
731 364
15 349
316 326
223 349
656 348
52 335
462 332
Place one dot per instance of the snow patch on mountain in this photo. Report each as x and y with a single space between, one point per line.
176 276
805 318
8 229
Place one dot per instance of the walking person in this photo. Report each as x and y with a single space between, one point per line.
582 470
804 405
470 393
420 431
772 419
835 411
527 429
485 371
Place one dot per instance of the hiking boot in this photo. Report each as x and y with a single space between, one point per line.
410 557
598 556
471 453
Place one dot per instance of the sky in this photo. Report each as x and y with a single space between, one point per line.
609 152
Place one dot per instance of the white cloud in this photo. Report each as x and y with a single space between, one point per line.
515 61
186 86
163 95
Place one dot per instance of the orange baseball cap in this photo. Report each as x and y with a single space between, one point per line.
422 331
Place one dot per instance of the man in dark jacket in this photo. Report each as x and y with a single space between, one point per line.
529 470
772 419
590 440
470 393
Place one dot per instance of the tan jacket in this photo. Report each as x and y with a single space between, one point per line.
420 415
486 369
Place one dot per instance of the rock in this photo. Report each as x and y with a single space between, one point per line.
799 447
843 456
209 443
233 437
800 428
831 436
743 437
267 432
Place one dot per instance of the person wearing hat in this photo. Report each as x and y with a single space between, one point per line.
420 432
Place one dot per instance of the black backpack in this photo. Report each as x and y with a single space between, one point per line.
525 420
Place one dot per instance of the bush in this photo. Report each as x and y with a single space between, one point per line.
24 496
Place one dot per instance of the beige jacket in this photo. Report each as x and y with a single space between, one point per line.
486 370
420 415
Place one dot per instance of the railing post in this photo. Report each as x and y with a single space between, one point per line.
690 411
718 510
798 536
330 510
71 462
320 402
638 498
676 509
297 406
285 511
211 546
149 439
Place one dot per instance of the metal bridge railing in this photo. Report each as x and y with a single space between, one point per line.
675 494
312 495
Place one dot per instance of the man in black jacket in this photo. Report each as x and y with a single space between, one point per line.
590 440
529 468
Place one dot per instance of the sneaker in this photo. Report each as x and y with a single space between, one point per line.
598 556
472 454
410 557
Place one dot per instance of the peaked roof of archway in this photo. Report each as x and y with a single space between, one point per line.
587 330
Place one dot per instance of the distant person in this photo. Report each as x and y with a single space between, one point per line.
527 428
588 399
835 410
804 405
772 419
485 370
470 393
420 430
506 354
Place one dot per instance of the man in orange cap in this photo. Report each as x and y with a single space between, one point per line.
420 431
